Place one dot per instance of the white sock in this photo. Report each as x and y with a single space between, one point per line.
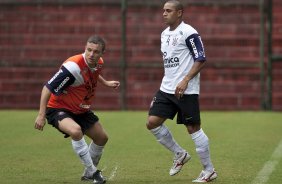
95 152
81 149
202 148
164 137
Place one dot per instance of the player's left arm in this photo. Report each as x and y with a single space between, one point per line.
196 48
181 87
111 84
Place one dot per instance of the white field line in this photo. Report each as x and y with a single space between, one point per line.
104 168
269 166
113 173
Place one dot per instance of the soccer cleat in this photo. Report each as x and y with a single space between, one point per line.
86 176
96 177
206 176
178 161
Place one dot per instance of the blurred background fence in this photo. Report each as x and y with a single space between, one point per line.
242 38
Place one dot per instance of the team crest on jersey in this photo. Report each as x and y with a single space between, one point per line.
174 41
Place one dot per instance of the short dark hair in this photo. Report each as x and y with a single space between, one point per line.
97 40
177 4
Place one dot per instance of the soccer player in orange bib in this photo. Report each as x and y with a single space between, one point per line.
66 104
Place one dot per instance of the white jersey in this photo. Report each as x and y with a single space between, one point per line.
181 48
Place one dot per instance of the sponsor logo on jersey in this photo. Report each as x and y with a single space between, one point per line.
202 53
194 47
171 62
62 84
55 76
84 106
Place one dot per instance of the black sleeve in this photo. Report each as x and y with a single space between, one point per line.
196 47
60 81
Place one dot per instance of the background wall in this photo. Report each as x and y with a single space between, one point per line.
36 37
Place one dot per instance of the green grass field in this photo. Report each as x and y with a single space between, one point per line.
240 142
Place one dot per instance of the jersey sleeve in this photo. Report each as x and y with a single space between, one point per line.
196 47
60 81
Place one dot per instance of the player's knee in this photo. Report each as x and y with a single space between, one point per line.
193 128
149 124
105 138
153 122
102 139
76 133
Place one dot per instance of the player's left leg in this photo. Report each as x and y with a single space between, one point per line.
99 139
202 148
189 115
91 127
163 106
161 132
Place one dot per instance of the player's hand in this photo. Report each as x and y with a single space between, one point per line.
180 88
39 122
114 84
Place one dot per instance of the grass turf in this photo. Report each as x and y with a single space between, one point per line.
240 143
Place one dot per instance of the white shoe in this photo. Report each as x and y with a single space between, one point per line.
178 162
206 176
87 176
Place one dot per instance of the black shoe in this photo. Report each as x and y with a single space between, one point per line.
98 178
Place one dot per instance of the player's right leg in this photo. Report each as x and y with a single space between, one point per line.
202 148
164 137
63 121
162 108
206 176
80 147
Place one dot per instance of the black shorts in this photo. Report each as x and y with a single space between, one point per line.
85 120
167 105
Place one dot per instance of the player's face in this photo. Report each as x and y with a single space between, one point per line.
171 15
93 52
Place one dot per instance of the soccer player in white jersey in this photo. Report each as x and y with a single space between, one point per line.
183 57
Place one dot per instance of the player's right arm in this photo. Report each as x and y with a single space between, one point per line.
56 85
40 119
